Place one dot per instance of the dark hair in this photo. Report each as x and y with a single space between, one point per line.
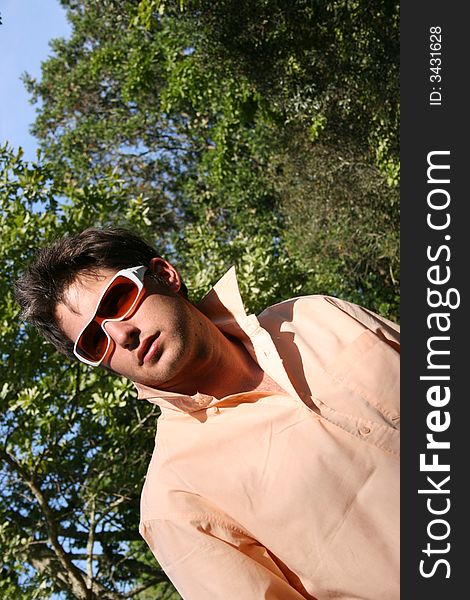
44 283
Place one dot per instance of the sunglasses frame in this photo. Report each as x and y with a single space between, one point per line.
134 274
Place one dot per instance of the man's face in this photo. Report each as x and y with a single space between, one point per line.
164 341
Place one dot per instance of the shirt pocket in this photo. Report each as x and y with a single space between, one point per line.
367 371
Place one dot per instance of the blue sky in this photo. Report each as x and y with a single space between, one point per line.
27 27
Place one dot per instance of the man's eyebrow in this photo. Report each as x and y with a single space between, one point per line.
71 307
66 299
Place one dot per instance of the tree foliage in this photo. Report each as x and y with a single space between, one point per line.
327 74
70 478
331 66
216 112
257 133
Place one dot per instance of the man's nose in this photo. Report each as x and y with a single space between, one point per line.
123 333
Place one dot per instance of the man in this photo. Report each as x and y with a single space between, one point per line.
275 472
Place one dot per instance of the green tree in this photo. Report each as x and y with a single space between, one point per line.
75 444
209 109
328 74
193 144
346 216
331 66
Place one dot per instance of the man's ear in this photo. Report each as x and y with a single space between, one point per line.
166 272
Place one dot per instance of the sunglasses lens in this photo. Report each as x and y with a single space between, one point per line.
118 299
93 342
115 304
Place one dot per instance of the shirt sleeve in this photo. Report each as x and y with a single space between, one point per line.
205 557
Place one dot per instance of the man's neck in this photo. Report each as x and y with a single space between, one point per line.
243 375
235 371
231 370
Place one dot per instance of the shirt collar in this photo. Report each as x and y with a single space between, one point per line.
223 305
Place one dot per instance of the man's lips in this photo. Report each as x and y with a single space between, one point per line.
147 348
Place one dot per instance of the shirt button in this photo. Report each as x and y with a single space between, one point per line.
364 430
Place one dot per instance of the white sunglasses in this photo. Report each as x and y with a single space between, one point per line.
116 302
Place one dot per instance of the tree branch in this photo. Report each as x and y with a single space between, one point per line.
75 575
90 544
144 586
44 559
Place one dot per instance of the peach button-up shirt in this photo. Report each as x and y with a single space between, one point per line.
291 495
